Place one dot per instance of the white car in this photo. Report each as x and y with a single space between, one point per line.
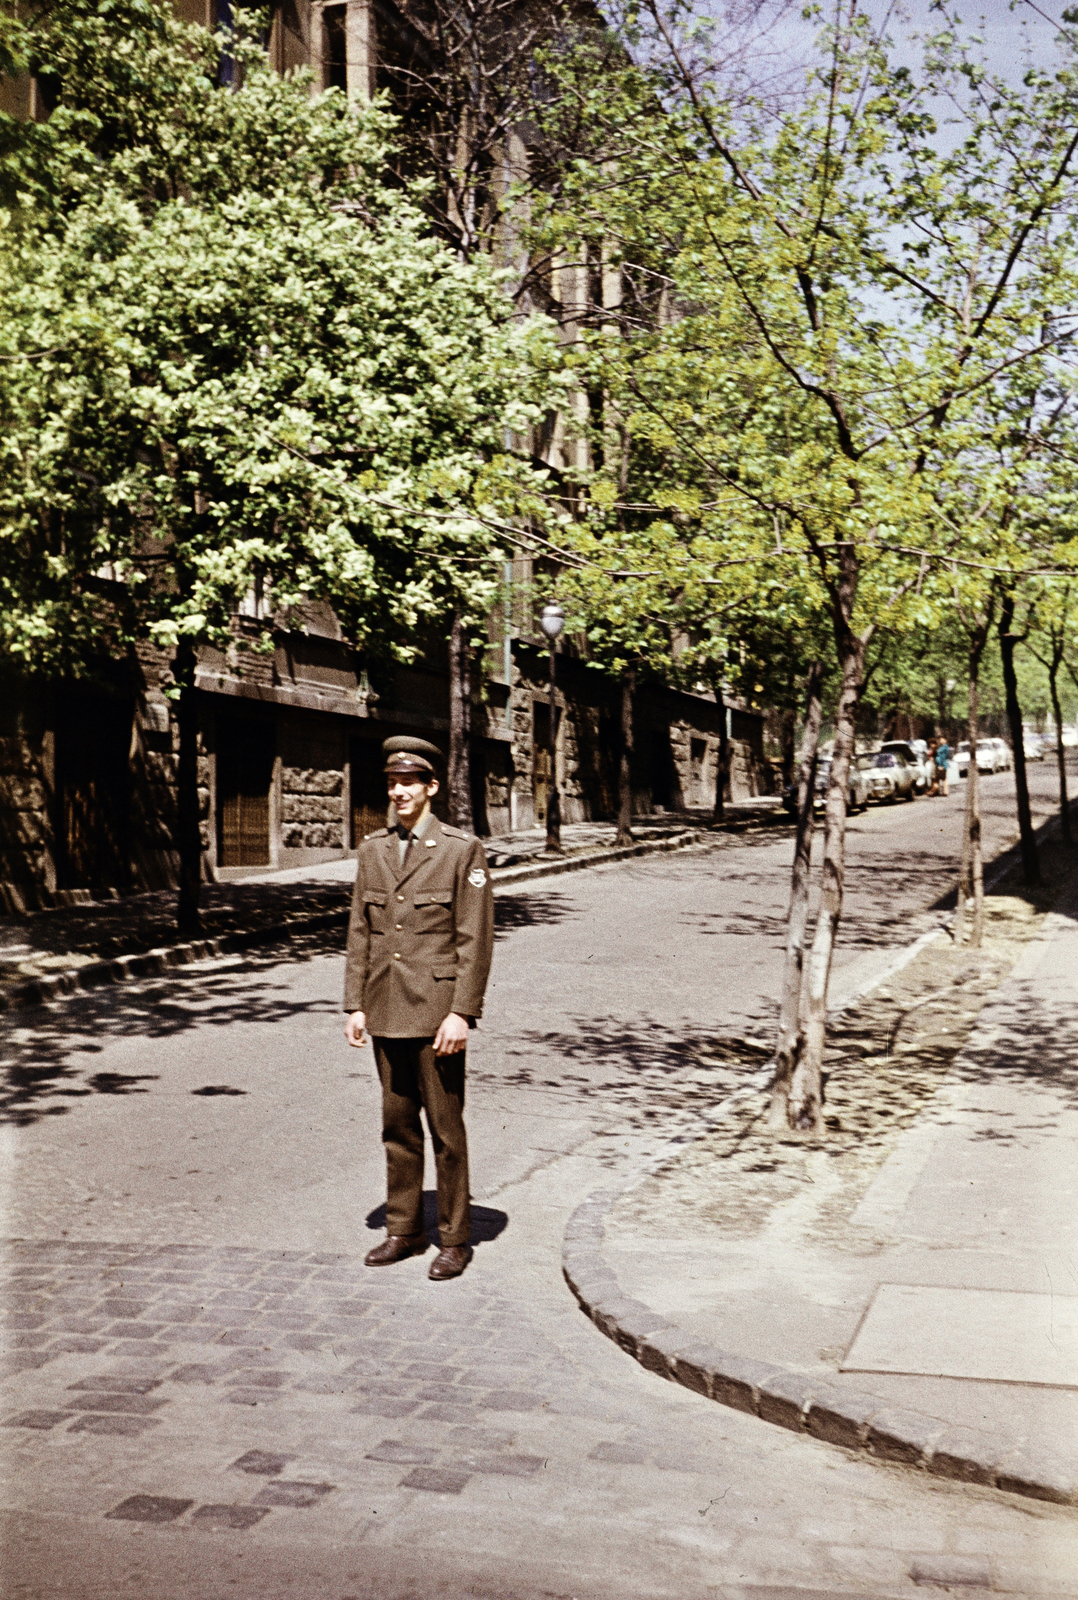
916 758
879 781
888 776
993 755
1034 747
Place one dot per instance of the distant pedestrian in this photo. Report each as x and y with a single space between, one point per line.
930 762
420 941
943 764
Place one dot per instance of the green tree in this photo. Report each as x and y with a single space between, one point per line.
234 361
860 297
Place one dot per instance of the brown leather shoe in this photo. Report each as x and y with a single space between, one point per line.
450 1262
394 1248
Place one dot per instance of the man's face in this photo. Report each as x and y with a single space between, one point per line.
411 796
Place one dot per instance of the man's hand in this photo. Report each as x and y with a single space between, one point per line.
452 1035
353 1028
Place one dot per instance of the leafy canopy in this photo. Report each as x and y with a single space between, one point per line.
233 358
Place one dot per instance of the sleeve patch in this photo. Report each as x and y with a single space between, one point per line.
477 877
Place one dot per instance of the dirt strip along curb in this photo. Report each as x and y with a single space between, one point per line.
154 963
824 1408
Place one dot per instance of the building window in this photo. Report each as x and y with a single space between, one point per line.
334 50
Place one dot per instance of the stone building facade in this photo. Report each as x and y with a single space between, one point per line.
290 765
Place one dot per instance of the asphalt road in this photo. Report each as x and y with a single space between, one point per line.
476 1438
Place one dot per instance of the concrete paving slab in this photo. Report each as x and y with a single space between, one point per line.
988 1334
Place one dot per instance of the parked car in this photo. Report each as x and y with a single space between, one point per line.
879 781
1034 747
856 800
993 755
901 774
917 759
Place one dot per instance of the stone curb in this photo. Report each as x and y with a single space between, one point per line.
822 1406
154 963
591 858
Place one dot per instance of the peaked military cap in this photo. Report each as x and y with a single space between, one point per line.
404 754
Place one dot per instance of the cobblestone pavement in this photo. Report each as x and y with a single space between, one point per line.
206 1394
224 1395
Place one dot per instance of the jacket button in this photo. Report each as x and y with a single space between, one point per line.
400 897
400 927
396 955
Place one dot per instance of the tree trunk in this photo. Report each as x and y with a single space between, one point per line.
971 878
806 1090
971 874
1057 713
965 880
723 774
188 836
789 1035
1007 641
459 774
789 718
976 852
625 765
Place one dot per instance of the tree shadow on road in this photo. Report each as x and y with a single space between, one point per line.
546 910
636 1073
47 1063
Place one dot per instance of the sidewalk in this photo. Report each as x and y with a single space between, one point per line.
52 952
908 1290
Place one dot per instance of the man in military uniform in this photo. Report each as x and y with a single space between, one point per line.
420 940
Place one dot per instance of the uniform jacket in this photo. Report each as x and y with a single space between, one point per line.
420 937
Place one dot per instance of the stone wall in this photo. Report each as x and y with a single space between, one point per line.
54 751
312 809
582 777
312 751
27 868
154 762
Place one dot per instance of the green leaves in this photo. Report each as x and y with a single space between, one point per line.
865 335
238 361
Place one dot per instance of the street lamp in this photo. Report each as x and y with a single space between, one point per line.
552 622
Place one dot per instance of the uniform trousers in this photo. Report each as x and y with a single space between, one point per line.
413 1077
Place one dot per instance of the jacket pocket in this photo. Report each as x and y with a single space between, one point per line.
374 903
433 911
445 969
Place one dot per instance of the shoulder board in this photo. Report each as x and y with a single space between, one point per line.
379 833
453 833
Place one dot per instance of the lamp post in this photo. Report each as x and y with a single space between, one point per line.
552 622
